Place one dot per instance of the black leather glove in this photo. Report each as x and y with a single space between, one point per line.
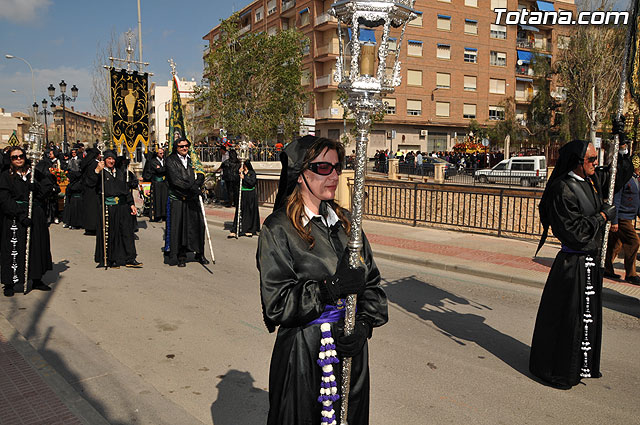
25 221
344 282
618 125
609 211
350 346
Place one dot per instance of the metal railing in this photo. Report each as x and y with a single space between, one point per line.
212 154
499 211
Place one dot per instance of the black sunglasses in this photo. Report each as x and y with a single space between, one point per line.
325 168
21 156
592 159
182 146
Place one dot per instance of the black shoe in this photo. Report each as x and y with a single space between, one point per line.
40 286
202 260
611 275
8 291
634 280
181 263
134 264
114 265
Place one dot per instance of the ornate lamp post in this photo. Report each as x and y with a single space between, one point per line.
63 98
365 84
44 113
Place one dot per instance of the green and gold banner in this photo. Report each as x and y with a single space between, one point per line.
129 106
177 128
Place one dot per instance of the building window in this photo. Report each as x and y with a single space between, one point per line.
414 107
443 81
390 106
497 86
414 48
498 4
259 12
469 111
470 55
470 27
305 78
414 77
496 112
418 21
469 83
272 31
271 7
498 31
304 17
471 3
444 23
393 44
306 48
563 41
442 109
444 51
498 58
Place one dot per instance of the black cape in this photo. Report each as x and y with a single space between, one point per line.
121 247
73 205
290 276
250 222
185 226
558 348
90 199
14 201
159 188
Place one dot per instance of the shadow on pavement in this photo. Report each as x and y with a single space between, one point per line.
437 306
545 261
239 402
621 303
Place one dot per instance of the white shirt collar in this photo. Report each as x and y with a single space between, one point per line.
575 176
330 220
184 160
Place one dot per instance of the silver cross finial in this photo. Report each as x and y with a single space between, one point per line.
172 64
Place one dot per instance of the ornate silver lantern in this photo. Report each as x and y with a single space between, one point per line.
243 155
365 83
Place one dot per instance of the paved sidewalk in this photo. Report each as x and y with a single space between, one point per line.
32 392
509 260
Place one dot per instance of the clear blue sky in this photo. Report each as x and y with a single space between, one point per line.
60 37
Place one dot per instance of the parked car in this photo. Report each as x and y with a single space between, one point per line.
524 170
428 167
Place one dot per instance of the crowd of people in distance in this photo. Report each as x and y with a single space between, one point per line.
464 162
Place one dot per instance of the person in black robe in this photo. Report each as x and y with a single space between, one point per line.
185 224
119 207
231 177
250 215
90 199
304 280
568 330
15 185
159 187
73 207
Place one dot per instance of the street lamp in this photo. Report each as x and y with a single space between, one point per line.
365 84
33 87
45 112
63 98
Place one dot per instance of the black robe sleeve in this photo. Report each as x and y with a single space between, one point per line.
250 180
570 226
8 202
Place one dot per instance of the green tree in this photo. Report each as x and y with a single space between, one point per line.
254 82
509 125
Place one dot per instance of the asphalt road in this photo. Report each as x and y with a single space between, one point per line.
163 345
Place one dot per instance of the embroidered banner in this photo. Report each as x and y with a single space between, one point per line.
177 129
129 106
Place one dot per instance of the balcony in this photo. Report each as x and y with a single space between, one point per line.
326 20
244 30
543 45
525 97
288 8
524 70
326 83
329 113
328 52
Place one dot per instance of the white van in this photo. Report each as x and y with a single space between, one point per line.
524 170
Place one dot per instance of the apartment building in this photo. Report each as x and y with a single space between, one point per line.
457 65
82 126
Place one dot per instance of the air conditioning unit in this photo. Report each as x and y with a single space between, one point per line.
424 133
389 134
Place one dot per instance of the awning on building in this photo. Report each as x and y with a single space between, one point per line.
524 56
526 80
545 6
366 35
529 28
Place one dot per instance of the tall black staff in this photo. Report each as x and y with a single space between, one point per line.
105 223
365 85
36 131
616 138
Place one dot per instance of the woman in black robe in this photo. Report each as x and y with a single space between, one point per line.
15 184
119 208
250 218
73 206
90 199
159 187
568 330
304 280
